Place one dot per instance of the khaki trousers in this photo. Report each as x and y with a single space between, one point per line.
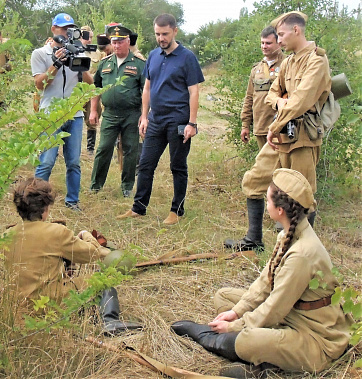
282 346
257 180
261 140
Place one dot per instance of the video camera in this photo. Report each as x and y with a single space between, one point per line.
73 48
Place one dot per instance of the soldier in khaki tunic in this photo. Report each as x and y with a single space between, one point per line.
255 112
95 57
5 65
122 109
304 79
35 255
280 322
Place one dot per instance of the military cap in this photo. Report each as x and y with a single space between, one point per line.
295 185
117 31
280 18
103 40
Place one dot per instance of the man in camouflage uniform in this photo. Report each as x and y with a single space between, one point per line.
122 109
255 112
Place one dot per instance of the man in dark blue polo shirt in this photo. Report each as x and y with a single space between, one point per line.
171 91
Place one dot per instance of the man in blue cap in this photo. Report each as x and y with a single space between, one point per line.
55 80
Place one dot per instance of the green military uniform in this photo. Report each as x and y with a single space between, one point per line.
255 112
122 109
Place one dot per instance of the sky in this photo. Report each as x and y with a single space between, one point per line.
201 12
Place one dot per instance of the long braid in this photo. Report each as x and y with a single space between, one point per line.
295 212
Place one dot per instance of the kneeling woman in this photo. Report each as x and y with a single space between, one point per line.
35 255
279 320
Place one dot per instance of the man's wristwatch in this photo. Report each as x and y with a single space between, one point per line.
192 124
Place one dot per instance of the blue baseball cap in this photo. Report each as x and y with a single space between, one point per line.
63 19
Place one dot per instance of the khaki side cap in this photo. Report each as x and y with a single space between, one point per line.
280 18
295 185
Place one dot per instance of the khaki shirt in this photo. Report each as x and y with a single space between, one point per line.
96 57
35 253
305 77
4 59
255 112
260 307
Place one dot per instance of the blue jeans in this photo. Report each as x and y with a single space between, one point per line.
71 151
156 140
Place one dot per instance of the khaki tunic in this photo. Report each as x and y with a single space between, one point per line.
271 329
96 57
4 59
305 77
34 258
254 111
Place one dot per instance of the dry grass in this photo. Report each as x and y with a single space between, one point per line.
158 296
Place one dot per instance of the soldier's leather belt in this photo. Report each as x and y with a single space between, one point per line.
311 305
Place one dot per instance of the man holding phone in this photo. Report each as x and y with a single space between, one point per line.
171 92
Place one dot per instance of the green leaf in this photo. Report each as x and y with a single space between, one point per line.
352 119
357 311
358 364
348 306
336 297
320 274
314 284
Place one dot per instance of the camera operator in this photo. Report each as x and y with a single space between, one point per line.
53 76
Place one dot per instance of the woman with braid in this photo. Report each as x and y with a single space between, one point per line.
280 322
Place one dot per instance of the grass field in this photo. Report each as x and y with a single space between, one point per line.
157 296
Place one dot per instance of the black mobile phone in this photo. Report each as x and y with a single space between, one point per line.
181 130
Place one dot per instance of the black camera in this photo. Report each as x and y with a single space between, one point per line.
73 47
289 129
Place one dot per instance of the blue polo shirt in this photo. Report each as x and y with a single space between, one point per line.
170 76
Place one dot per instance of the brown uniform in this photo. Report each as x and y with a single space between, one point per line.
4 63
96 57
254 111
34 258
271 329
305 77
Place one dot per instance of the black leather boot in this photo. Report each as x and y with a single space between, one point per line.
91 140
109 310
219 343
253 238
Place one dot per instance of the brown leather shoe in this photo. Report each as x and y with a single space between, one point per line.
128 214
171 219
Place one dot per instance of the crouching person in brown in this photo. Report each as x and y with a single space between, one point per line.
280 321
37 249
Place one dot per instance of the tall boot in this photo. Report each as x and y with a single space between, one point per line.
219 343
254 236
311 218
109 310
91 140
